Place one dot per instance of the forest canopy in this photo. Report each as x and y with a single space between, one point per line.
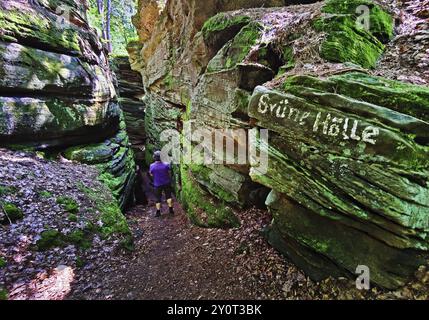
112 19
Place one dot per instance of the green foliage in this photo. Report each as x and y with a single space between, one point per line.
80 239
70 205
80 262
122 29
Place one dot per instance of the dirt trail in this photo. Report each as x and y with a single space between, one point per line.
175 260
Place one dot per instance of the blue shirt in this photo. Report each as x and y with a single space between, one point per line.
161 173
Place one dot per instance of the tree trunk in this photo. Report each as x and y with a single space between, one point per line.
100 7
108 34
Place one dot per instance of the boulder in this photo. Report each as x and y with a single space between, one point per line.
55 80
348 152
57 91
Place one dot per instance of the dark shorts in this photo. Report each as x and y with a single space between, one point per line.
158 192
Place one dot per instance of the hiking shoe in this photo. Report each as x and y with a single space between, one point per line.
158 213
171 210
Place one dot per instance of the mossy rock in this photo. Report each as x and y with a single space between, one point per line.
323 248
339 199
237 49
80 238
399 96
91 154
221 28
12 212
346 41
222 21
113 221
114 159
381 23
65 121
69 204
53 238
50 239
203 209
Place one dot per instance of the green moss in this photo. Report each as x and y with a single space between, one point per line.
399 96
3 294
5 190
113 159
91 154
202 174
241 101
80 239
381 23
201 208
72 218
53 238
221 21
45 194
50 239
288 57
236 50
2 262
169 81
128 243
66 118
21 24
12 211
348 42
112 182
113 221
345 43
69 204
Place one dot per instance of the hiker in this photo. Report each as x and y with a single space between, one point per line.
139 193
160 172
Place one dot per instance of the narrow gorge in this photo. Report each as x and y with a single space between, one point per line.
325 105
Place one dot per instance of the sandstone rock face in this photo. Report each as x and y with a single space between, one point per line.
347 149
359 168
56 89
173 56
131 94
